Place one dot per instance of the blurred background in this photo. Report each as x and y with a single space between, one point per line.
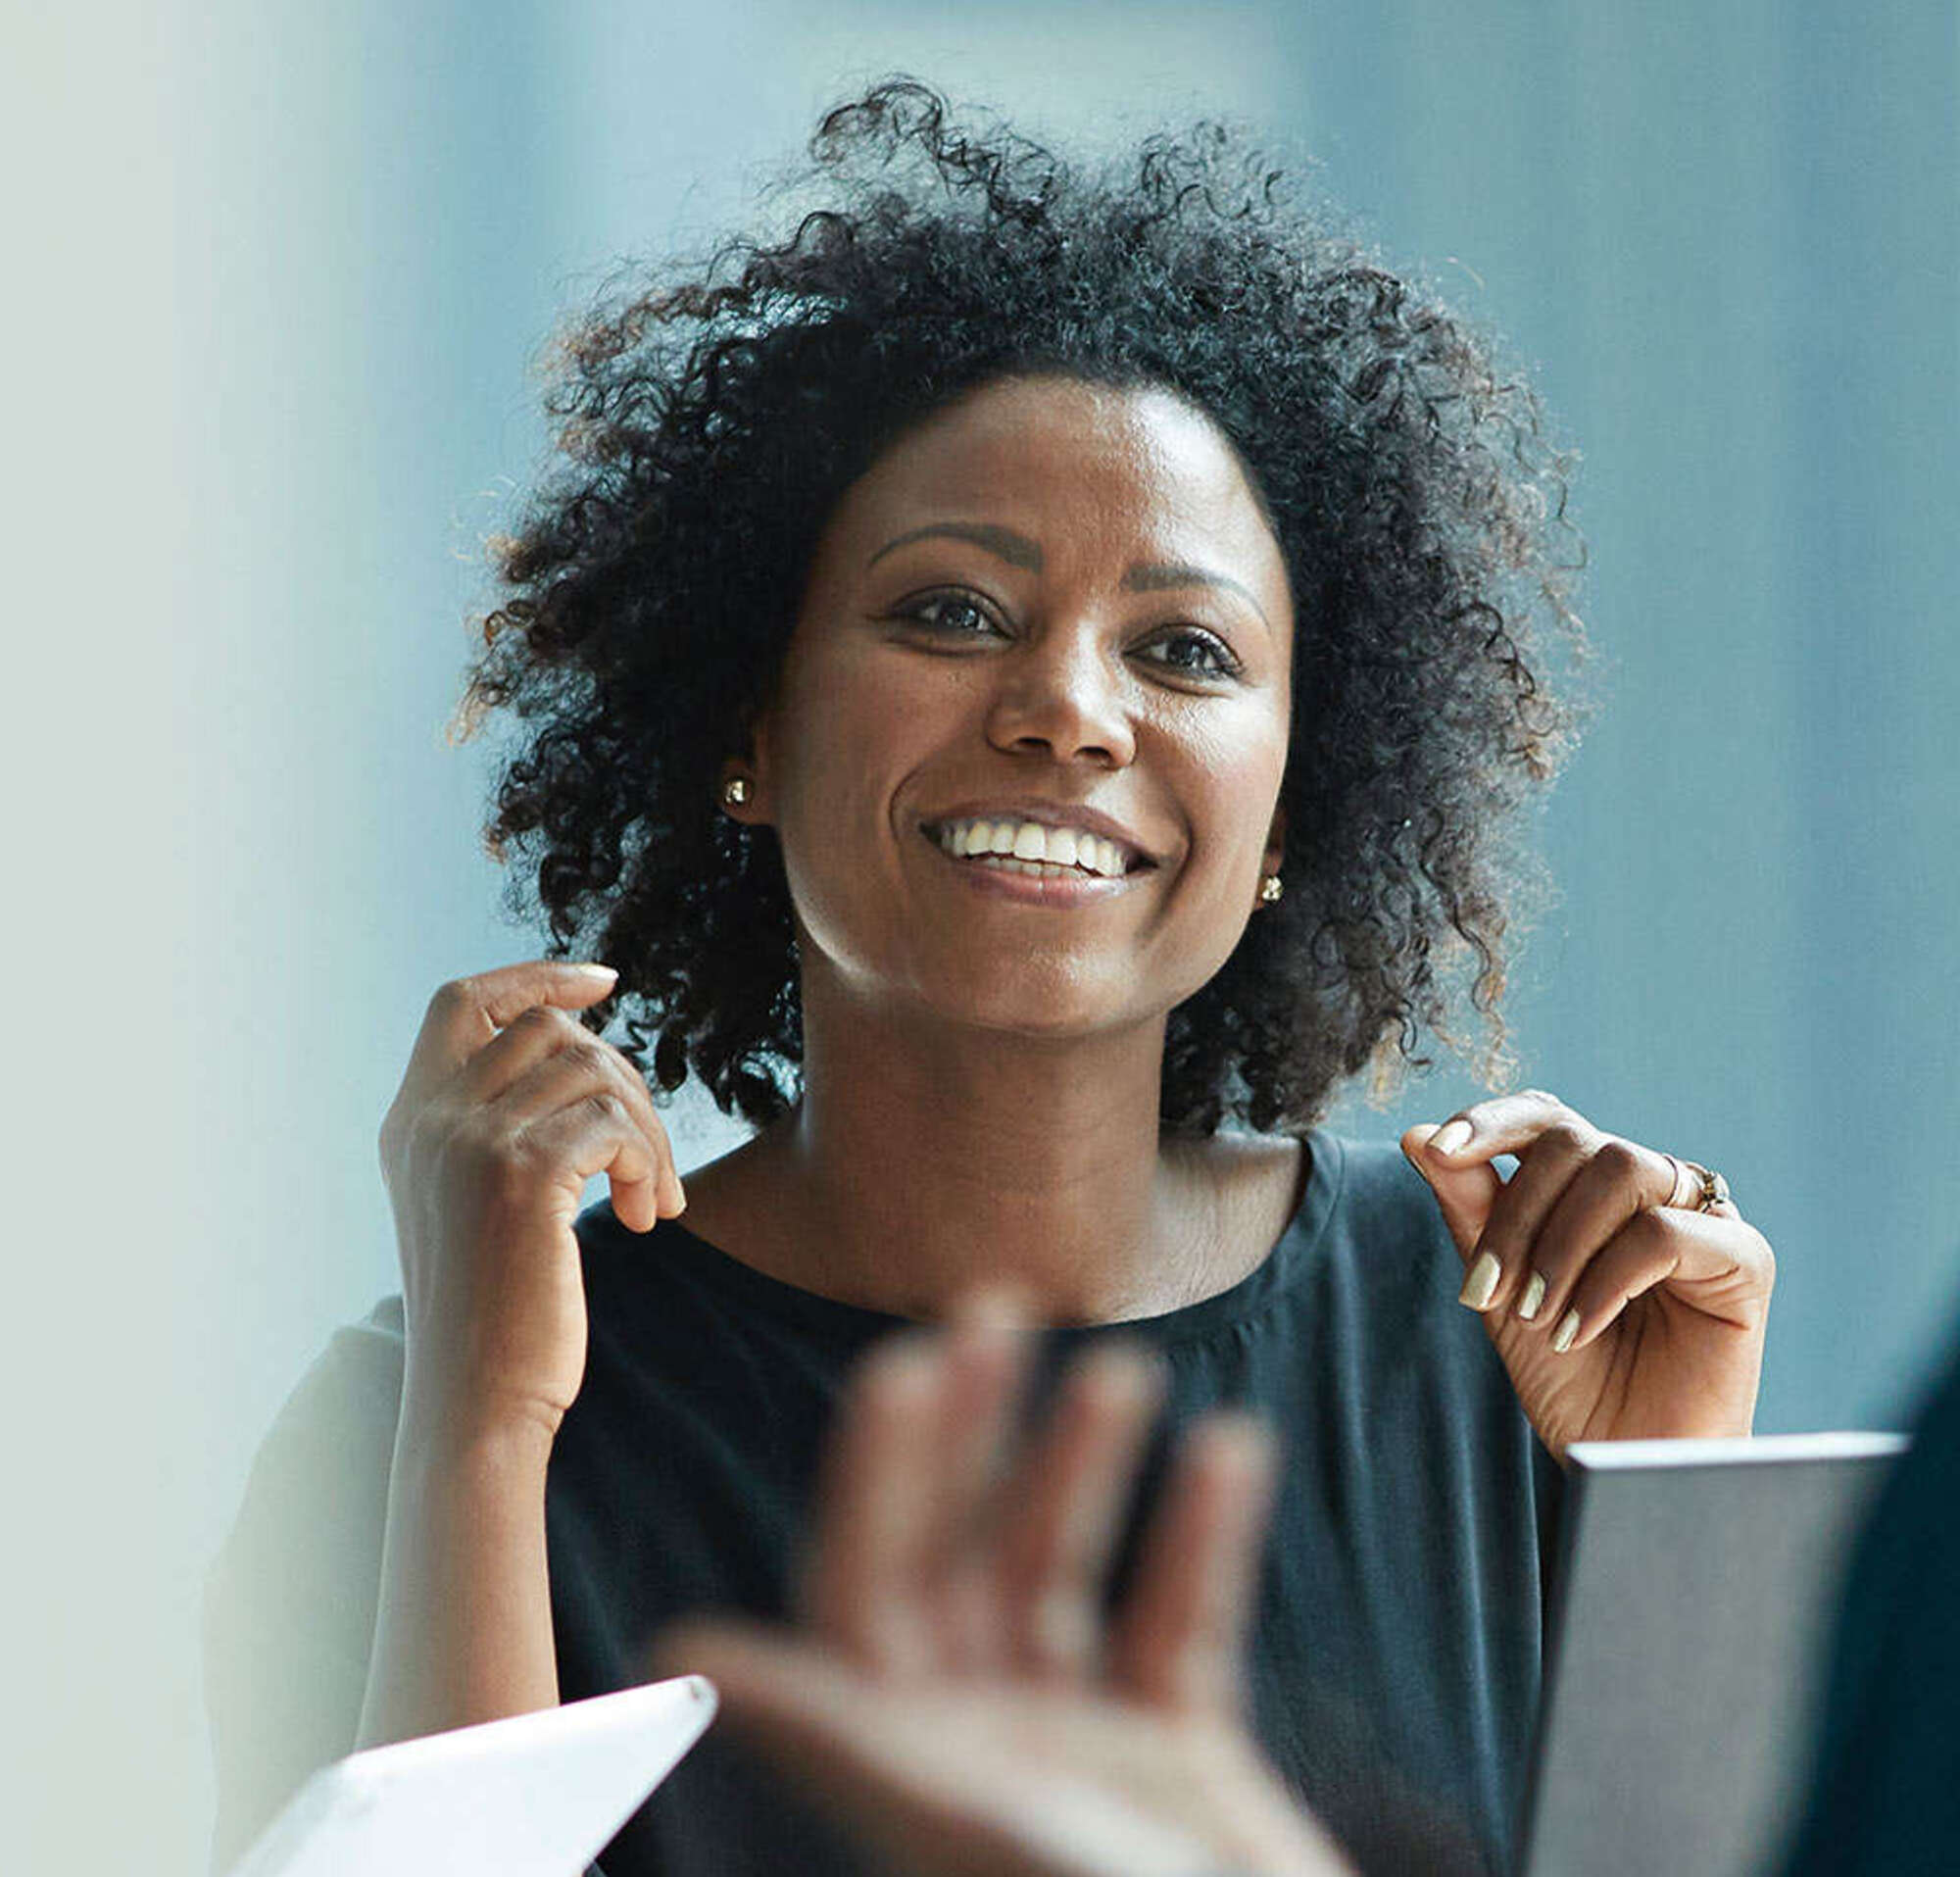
281 271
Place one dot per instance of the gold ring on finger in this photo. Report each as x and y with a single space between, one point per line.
1698 1188
1714 1189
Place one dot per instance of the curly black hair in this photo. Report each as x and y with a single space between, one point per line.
711 418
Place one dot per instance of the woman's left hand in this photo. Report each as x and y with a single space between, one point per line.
1650 1319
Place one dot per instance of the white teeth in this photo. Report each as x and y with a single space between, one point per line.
1028 846
1036 869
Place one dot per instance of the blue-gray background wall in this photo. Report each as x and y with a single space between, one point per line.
286 266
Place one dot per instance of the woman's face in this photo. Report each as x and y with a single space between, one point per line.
1050 610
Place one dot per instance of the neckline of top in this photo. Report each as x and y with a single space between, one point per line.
1227 1309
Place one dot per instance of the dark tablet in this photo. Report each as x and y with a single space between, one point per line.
1692 1611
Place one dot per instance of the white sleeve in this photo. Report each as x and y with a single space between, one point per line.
290 1601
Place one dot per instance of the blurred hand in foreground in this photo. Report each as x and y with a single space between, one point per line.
955 1698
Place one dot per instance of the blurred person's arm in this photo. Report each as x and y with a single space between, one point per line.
1884 1791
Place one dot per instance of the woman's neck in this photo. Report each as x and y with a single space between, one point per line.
926 1159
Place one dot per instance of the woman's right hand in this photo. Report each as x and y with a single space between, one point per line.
510 1105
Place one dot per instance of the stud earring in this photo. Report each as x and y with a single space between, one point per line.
735 791
1270 889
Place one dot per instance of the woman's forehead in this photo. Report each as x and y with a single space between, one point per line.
1070 465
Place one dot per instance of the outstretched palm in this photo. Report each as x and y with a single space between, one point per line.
957 1698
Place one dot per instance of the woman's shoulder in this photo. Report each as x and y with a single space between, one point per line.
1375 1175
1343 1199
1370 1231
1330 1171
1372 1197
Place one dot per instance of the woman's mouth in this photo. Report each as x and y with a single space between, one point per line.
1029 847
1033 863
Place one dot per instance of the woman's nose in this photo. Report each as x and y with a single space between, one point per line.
1058 692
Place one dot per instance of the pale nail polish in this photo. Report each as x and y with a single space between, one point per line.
1481 1285
1568 1328
1450 1137
1533 1296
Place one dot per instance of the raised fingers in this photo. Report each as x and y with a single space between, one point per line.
547 1059
1564 1202
935 1556
1455 1159
1526 1237
863 1583
466 1012
972 1488
1712 1260
1549 1248
482 1034
1180 1637
1583 1296
1065 1512
901 1576
1586 1223
1503 1124
573 1118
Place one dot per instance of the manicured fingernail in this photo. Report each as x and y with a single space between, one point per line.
1450 1137
1533 1296
1568 1328
1481 1283
593 971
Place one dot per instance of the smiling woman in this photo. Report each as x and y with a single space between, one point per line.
1411 508
1007 665
1025 671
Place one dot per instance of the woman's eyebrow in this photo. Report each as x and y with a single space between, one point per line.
1015 549
1167 574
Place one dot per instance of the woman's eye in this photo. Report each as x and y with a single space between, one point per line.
952 614
1195 653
